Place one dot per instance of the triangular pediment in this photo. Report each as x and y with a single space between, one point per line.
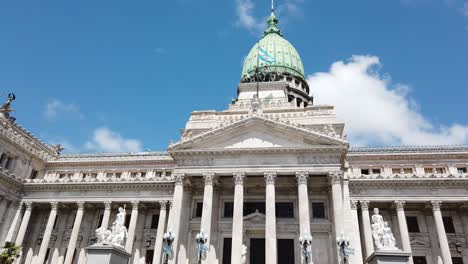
255 217
257 132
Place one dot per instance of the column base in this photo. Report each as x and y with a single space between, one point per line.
107 255
389 257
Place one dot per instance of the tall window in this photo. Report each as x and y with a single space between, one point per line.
318 210
154 221
33 174
284 210
252 207
198 209
127 220
412 222
228 209
149 256
457 260
448 224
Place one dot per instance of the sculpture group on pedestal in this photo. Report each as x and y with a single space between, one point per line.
118 233
382 234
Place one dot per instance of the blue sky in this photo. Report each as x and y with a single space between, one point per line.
125 75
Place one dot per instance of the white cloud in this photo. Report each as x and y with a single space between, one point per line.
106 140
245 17
56 108
377 111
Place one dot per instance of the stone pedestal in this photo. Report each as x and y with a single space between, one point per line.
389 257
107 255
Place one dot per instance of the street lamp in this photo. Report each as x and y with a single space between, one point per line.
306 242
168 239
344 248
201 239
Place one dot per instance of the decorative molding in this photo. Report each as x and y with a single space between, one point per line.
179 179
135 204
80 205
436 205
400 205
163 204
270 177
364 205
239 178
302 177
107 205
209 178
335 177
54 205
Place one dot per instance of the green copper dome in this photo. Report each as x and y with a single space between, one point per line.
286 57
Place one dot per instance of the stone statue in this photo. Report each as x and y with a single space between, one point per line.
5 109
118 233
381 232
255 105
243 254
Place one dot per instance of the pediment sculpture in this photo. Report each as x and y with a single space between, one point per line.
118 233
382 233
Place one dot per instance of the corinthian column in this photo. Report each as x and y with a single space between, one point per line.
207 205
132 227
175 214
303 196
237 219
367 228
443 242
24 223
74 233
405 240
270 222
160 232
47 233
106 215
335 182
14 224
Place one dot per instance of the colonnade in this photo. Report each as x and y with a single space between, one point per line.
405 238
237 219
18 227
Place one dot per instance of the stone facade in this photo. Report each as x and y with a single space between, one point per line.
258 175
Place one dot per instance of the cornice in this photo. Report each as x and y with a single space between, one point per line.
407 153
97 159
28 187
8 179
409 182
26 141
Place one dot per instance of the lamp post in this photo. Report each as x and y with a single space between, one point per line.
306 242
201 239
344 248
168 239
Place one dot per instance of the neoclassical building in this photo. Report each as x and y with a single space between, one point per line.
270 168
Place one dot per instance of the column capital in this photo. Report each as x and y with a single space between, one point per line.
400 205
20 205
353 204
209 178
54 205
364 205
270 177
107 205
179 178
239 178
163 204
80 205
302 177
334 177
135 204
436 205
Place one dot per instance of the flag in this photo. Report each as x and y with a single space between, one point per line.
265 56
